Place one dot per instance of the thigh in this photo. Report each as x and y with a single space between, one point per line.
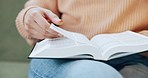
45 68
53 68
135 71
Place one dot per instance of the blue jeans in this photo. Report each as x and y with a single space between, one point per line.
134 66
54 68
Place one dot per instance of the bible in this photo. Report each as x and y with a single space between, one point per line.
101 47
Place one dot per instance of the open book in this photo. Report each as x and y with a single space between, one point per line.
100 47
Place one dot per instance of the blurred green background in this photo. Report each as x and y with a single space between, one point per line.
13 48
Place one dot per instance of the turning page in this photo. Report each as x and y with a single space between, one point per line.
71 35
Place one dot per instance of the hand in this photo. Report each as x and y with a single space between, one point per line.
37 23
144 32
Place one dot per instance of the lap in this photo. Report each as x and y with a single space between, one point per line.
54 68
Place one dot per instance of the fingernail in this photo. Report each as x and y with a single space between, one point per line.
61 22
57 19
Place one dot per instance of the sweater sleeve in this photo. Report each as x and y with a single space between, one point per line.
20 25
32 4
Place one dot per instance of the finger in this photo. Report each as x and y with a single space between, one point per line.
41 21
53 17
48 20
35 34
51 33
50 36
31 24
36 27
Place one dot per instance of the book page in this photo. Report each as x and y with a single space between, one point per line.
110 44
71 45
104 41
62 48
55 43
71 35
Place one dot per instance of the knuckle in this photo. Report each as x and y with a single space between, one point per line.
34 13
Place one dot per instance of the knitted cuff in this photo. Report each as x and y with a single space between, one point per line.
20 24
20 21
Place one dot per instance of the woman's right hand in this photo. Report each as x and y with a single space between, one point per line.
37 23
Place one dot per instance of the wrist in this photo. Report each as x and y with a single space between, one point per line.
20 21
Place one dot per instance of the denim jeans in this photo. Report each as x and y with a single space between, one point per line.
54 68
134 66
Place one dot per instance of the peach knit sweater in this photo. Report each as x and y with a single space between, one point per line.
91 17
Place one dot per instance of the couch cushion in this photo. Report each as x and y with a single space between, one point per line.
13 69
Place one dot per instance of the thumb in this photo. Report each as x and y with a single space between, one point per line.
53 17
